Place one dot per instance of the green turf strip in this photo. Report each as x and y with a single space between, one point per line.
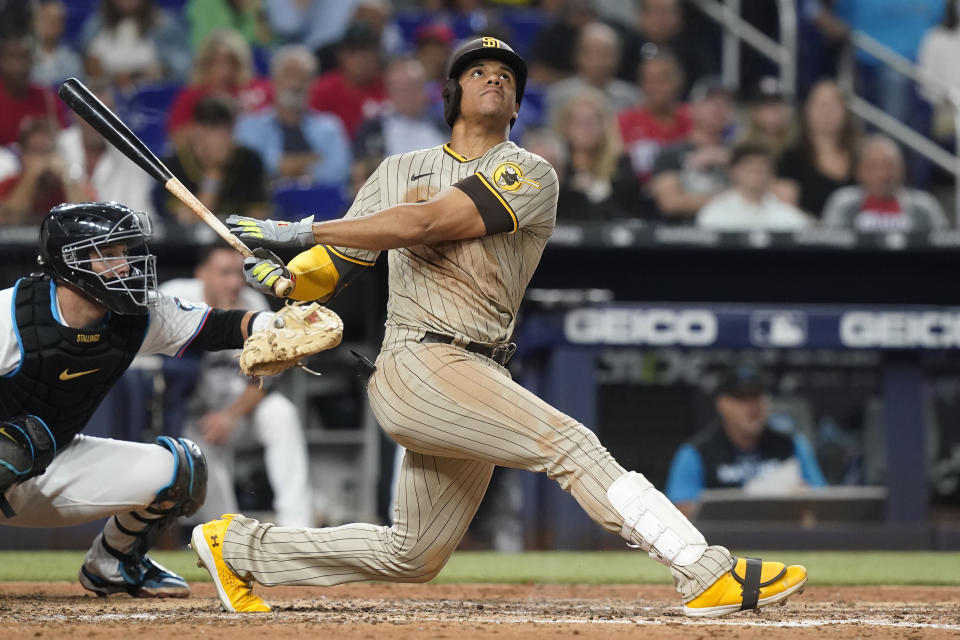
602 567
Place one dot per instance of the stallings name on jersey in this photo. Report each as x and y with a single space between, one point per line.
88 337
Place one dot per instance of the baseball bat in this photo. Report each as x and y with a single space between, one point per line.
86 105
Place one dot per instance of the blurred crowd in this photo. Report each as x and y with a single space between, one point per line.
282 108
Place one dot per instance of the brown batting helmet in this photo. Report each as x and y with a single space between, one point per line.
477 49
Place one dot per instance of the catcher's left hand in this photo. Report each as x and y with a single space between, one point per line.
262 270
296 331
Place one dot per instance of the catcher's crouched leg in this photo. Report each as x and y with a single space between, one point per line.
295 332
118 561
188 487
27 447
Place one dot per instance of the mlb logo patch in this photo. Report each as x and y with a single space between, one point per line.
778 328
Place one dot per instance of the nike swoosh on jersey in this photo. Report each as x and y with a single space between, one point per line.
4 432
414 178
66 375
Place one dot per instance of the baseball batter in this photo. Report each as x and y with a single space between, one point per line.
66 336
465 225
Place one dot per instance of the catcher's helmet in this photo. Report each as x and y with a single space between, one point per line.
71 239
477 49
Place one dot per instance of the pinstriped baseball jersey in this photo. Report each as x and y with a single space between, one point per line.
457 413
467 289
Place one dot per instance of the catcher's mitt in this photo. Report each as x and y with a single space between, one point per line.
297 331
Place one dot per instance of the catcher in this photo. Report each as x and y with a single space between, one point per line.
66 335
464 225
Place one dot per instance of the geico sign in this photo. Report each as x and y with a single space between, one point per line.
690 328
938 329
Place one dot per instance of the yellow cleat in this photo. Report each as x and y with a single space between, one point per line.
750 584
236 594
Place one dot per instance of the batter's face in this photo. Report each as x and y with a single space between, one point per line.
489 92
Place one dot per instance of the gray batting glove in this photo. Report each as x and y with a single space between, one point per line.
273 234
262 269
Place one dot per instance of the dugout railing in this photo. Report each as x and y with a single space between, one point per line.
784 53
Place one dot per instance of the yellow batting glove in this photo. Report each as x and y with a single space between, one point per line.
248 228
262 269
273 234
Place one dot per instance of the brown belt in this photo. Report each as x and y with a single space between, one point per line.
500 353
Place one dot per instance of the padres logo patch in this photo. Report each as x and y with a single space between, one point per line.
509 177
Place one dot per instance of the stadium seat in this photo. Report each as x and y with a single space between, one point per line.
409 21
532 114
145 112
294 202
469 24
534 107
173 6
524 25
261 61
77 13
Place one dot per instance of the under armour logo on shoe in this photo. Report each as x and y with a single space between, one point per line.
215 543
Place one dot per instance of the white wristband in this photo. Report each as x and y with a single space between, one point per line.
262 321
305 232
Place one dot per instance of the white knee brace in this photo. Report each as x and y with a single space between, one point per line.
666 533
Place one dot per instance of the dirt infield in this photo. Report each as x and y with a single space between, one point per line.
466 612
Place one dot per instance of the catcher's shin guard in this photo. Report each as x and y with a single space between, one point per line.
27 447
187 488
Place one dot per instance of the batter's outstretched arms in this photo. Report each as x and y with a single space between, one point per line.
469 209
451 215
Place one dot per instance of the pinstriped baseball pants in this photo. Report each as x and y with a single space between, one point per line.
458 414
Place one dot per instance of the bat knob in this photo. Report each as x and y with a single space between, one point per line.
283 287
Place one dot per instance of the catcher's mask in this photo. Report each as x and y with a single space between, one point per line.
78 244
478 49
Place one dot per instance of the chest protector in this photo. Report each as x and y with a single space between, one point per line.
717 452
64 373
